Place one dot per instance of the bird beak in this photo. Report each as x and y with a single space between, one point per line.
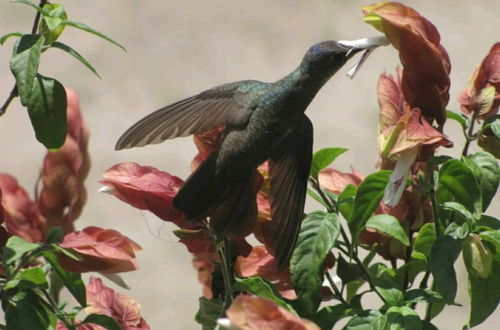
366 44
358 45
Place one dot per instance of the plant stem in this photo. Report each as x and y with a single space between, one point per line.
334 287
222 248
434 203
468 136
14 92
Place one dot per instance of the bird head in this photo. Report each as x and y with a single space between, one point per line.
331 55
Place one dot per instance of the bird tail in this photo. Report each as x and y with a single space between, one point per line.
200 192
231 205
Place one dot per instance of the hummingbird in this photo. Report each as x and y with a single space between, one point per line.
262 121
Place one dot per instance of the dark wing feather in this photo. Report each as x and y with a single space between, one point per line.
289 174
220 106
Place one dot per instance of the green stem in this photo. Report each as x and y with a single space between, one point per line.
334 287
14 92
469 137
222 249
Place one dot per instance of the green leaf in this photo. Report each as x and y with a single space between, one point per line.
492 123
75 54
489 222
208 313
72 281
317 198
328 316
484 295
346 201
261 288
410 270
55 235
390 226
4 38
15 249
31 278
422 295
363 321
70 253
456 180
346 271
25 311
477 257
458 231
324 157
403 318
368 196
32 5
487 172
444 253
91 30
423 242
459 118
462 211
386 285
318 234
24 64
492 236
47 111
103 320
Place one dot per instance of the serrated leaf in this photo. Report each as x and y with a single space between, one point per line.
487 172
425 239
75 54
324 157
24 64
444 253
47 111
317 236
208 312
261 288
368 196
15 249
458 183
25 311
346 201
484 295
72 281
4 38
103 320
390 226
91 30
459 118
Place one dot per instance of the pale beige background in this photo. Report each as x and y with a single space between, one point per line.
178 48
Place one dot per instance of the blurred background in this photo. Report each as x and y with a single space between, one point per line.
178 48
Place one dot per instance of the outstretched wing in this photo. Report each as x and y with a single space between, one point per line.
289 174
224 105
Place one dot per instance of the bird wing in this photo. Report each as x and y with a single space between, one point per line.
224 105
289 173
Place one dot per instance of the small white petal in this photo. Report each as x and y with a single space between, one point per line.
397 179
226 324
105 190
